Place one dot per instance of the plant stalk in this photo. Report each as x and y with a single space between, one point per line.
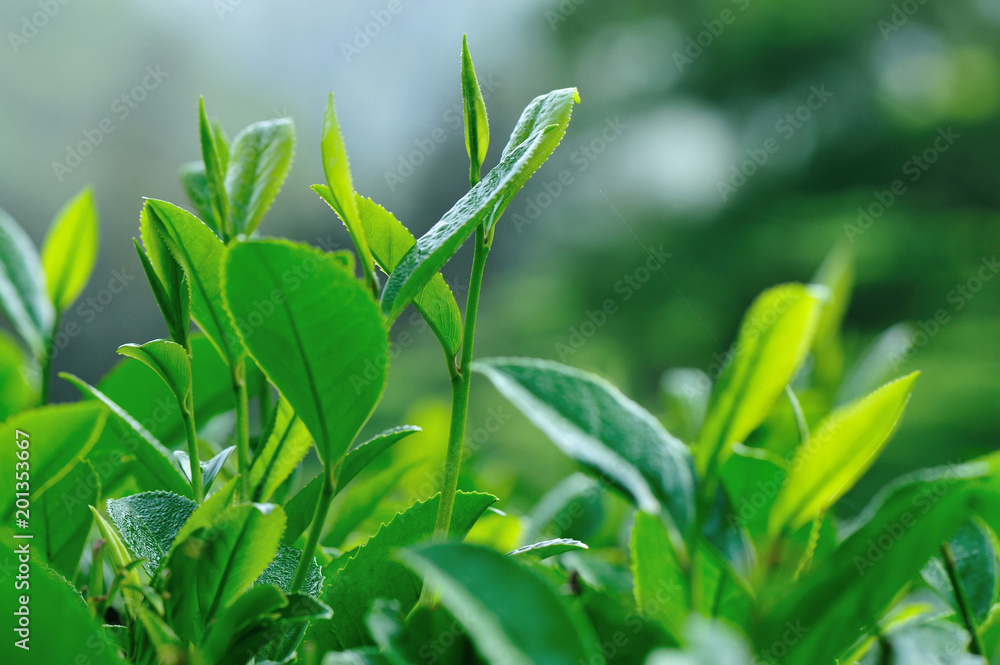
976 645
238 374
193 459
460 382
46 362
326 494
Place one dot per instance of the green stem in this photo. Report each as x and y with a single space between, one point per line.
46 361
319 517
238 374
193 459
264 404
460 382
976 646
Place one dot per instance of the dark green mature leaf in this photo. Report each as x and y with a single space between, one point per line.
662 590
510 612
324 344
281 572
843 447
175 307
888 544
363 454
17 385
372 573
548 548
70 249
774 337
595 424
212 148
195 184
214 565
530 145
974 550
477 126
199 252
149 522
23 295
287 443
133 439
259 162
341 187
753 477
171 363
62 518
389 241
53 599
59 437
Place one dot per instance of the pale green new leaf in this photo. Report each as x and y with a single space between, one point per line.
215 170
549 548
287 444
259 162
23 295
171 363
209 470
477 126
70 250
195 184
844 446
509 611
529 147
774 337
596 425
324 346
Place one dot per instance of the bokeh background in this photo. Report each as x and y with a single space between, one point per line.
730 143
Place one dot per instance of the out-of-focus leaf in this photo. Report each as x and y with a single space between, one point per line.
215 171
324 345
17 385
62 519
195 184
548 548
24 296
363 454
842 448
70 250
973 548
774 337
259 162
686 391
209 470
538 132
877 365
593 423
662 590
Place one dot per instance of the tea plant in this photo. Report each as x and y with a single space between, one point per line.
719 543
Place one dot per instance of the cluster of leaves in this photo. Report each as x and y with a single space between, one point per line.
731 551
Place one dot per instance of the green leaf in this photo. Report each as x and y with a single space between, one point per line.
338 176
122 562
529 147
361 504
132 439
549 548
882 551
52 599
209 470
62 518
686 391
260 160
510 612
877 364
70 250
363 454
17 385
596 425
287 444
844 445
199 252
171 363
572 500
928 643
215 171
774 337
753 477
662 590
195 184
371 572
389 241
214 565
477 126
281 572
324 345
149 522
837 275
59 437
175 307
974 550
24 298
